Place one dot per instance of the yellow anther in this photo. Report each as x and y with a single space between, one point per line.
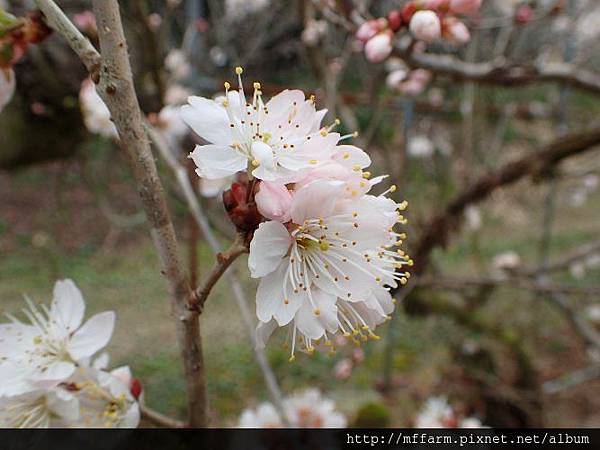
402 235
407 274
410 263
365 327
317 312
313 161
328 344
355 134
394 301
354 332
292 358
324 246
312 99
393 188
286 301
346 155
37 340
354 193
256 85
403 281
356 168
227 85
378 279
238 70
255 162
323 132
403 205
337 121
362 184
374 336
366 174
225 103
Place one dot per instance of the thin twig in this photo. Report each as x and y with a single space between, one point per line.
112 72
572 379
160 419
458 284
224 260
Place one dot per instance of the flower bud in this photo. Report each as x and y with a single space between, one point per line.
425 26
455 31
273 201
464 6
394 20
367 30
378 47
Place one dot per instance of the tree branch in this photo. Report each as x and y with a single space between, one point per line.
235 285
439 228
224 260
112 72
459 284
159 419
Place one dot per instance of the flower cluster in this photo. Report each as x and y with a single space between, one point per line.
427 20
48 376
325 254
437 413
306 410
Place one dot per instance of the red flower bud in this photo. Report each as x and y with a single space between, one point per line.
395 20
241 207
136 388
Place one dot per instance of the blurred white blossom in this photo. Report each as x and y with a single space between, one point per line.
96 115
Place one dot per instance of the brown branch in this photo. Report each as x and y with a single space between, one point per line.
115 86
439 228
159 419
459 284
224 260
502 72
565 262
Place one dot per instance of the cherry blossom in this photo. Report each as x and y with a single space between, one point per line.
329 268
47 350
96 115
55 408
275 141
308 409
437 413
379 47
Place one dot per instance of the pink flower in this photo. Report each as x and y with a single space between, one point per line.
395 78
343 369
425 26
464 6
86 22
367 30
455 31
274 201
379 47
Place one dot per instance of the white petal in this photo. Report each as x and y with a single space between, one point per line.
269 245
270 300
208 120
92 336
351 156
68 306
63 404
101 362
315 200
283 102
312 325
215 161
123 374
264 332
53 374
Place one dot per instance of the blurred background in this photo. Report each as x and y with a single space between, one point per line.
505 319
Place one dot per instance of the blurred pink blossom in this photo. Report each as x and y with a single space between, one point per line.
367 30
379 47
343 369
455 31
86 22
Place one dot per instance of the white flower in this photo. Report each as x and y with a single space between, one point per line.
177 94
39 409
506 261
306 410
425 26
436 413
473 217
213 188
96 115
7 86
420 147
264 416
278 140
171 125
177 63
46 351
328 269
592 313
238 9
105 399
310 410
